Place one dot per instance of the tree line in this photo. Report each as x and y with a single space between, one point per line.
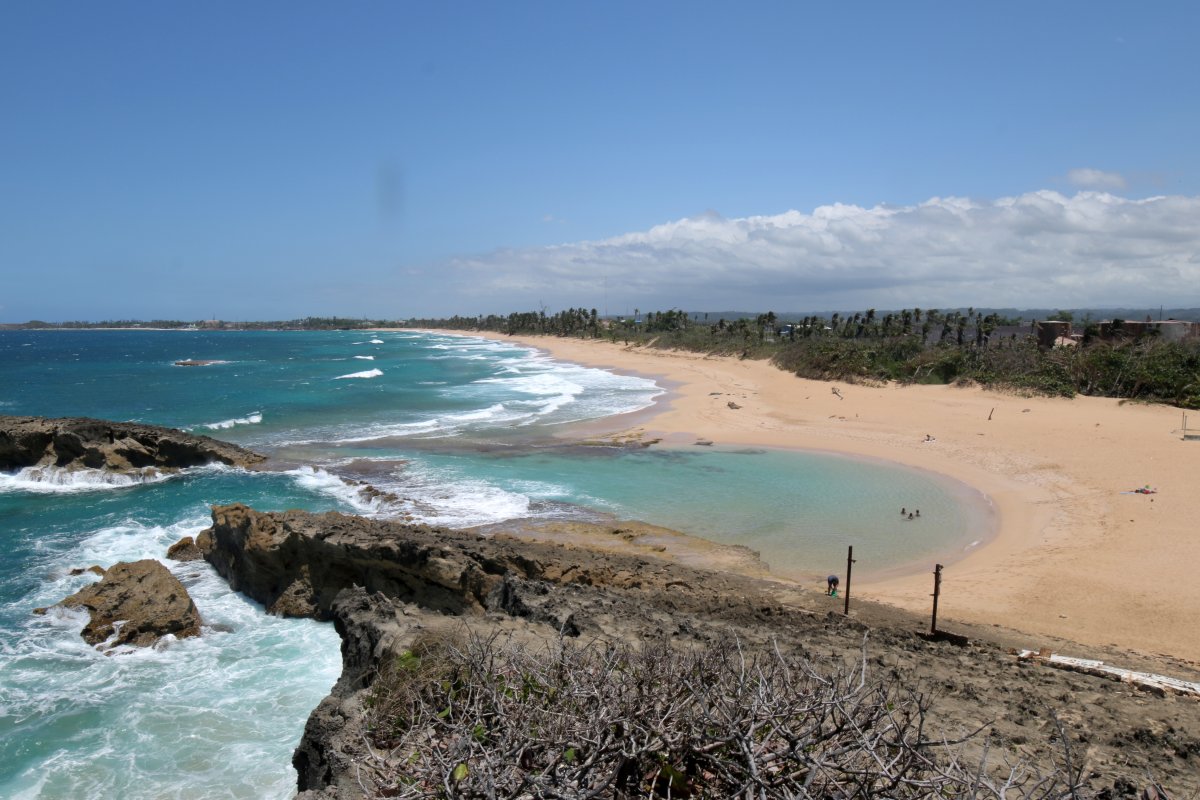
910 346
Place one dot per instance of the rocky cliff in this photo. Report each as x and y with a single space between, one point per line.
385 584
84 443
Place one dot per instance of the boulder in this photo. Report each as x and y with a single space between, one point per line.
184 550
139 602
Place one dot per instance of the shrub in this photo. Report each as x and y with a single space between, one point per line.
490 718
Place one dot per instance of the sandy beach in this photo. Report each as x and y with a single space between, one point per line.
1077 554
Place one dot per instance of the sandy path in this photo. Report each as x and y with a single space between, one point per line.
1073 555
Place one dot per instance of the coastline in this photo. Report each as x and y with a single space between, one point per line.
1075 554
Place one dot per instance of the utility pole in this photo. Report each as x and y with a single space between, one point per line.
937 590
849 564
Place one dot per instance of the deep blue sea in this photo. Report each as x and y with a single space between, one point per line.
462 431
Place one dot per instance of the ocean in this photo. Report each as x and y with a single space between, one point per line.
459 431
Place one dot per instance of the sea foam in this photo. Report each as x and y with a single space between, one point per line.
214 715
371 373
350 493
253 418
443 496
47 480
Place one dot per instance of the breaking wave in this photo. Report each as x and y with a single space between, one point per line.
56 480
253 418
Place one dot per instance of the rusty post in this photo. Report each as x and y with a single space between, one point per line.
849 563
937 590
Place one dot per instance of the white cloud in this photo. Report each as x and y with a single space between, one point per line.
1095 179
1037 249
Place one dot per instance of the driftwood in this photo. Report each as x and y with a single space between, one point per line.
1159 684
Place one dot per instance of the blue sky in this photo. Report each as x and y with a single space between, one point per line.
273 160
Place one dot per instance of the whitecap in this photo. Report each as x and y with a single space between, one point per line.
371 373
253 418
352 494
365 358
198 362
444 497
376 341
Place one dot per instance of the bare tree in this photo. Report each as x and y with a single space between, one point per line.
488 718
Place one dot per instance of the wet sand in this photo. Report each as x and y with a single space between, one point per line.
1076 554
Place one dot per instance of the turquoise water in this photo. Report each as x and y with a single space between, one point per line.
798 510
462 431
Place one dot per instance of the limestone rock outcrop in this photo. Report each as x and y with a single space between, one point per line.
295 563
387 585
139 602
85 443
372 627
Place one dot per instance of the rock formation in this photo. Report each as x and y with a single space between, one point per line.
81 442
139 602
295 563
385 584
185 550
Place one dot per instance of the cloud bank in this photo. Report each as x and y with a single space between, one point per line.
1037 249
1095 179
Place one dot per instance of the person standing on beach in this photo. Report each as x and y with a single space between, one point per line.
831 585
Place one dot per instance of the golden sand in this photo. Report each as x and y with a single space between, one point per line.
1076 554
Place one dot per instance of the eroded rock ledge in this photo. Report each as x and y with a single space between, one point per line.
85 443
295 563
384 584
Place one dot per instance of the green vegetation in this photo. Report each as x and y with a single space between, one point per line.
910 346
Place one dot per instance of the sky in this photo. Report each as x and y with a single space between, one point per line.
275 160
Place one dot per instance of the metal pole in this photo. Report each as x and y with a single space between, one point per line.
849 563
937 590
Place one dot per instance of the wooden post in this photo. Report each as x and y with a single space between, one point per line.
937 590
849 563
